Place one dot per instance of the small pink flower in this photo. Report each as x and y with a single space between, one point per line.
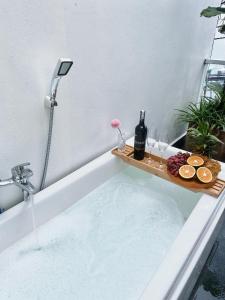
115 123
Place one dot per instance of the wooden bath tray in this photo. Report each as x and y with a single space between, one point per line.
213 189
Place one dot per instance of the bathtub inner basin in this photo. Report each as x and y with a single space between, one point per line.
106 246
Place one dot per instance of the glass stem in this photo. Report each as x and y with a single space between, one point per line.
121 134
149 155
161 159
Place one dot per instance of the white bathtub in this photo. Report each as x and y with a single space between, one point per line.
177 273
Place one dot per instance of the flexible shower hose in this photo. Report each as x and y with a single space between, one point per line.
51 117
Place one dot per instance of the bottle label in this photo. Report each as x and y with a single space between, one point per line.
139 145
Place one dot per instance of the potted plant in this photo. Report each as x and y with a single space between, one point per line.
202 140
206 122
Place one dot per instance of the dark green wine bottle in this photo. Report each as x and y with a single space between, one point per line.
140 137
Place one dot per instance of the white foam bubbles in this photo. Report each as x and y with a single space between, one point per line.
105 247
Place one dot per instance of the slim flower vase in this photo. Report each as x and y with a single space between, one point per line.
121 140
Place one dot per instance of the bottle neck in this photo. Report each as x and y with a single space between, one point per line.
142 117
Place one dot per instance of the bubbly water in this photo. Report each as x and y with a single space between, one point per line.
107 246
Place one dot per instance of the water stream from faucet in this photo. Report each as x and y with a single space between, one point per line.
35 231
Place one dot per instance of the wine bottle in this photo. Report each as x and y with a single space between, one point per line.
140 137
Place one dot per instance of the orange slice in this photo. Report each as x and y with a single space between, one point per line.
195 161
204 175
213 166
187 171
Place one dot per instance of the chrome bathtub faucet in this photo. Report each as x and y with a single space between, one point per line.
20 177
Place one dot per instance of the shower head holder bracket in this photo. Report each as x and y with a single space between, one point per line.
49 102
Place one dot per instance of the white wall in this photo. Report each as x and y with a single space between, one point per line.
219 50
128 55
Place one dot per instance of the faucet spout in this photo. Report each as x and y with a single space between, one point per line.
26 187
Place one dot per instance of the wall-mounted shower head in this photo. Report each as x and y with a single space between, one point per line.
62 68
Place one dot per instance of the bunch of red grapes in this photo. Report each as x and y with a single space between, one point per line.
176 161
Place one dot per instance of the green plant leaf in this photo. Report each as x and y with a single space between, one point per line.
212 11
215 139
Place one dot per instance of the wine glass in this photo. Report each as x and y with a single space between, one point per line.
150 143
163 143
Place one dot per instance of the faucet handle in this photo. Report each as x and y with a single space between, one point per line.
20 170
